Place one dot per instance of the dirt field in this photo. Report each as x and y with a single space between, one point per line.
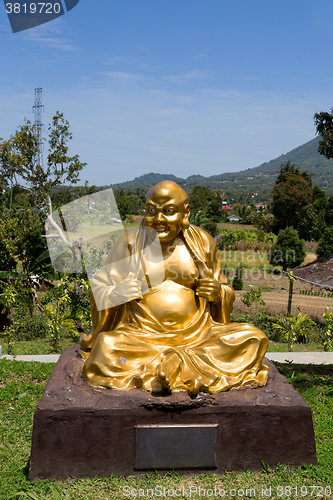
277 298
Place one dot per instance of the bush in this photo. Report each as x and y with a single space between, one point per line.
253 296
289 249
325 243
210 227
29 328
294 329
328 331
262 321
237 282
245 240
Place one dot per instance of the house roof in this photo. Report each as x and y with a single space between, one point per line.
319 272
226 207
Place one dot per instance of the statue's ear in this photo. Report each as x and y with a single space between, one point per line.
187 211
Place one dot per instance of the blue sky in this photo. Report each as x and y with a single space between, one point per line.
173 86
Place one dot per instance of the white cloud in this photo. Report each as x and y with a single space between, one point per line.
120 59
191 75
124 78
50 36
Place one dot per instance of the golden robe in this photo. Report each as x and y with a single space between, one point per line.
169 337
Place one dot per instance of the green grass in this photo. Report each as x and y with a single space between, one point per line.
283 347
235 227
42 347
249 259
22 385
36 346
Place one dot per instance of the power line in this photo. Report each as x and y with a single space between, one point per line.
158 139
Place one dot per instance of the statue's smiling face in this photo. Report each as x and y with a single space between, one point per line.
165 212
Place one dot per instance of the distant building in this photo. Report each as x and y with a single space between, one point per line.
233 218
226 207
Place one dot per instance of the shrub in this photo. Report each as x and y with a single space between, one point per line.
295 328
289 249
245 240
27 328
328 331
211 227
237 282
325 243
261 320
253 296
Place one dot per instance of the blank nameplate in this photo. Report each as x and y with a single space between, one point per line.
175 446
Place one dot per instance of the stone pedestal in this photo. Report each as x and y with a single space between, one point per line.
80 431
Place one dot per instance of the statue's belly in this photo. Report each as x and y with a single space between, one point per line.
171 304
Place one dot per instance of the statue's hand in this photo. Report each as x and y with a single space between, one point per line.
209 288
127 290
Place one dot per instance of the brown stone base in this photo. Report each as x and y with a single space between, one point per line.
80 431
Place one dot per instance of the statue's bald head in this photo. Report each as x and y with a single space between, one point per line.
166 190
167 210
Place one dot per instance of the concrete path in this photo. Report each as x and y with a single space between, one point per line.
42 358
317 358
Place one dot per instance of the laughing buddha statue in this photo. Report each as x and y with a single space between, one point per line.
168 331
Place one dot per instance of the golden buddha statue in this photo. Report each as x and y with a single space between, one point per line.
171 332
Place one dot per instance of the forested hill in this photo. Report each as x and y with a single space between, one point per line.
258 179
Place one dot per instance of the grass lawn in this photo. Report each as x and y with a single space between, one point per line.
40 346
37 346
283 347
22 385
235 227
248 259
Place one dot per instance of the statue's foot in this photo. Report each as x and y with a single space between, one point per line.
163 380
195 386
156 387
167 370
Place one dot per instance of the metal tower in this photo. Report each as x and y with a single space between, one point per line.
38 109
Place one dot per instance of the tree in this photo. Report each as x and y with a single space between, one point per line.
289 249
324 127
314 216
198 218
210 227
246 213
329 211
17 158
18 165
264 220
200 197
21 240
61 167
23 250
130 202
325 243
291 194
214 210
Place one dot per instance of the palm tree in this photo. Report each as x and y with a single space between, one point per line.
293 327
198 218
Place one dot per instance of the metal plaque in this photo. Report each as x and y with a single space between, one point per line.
175 446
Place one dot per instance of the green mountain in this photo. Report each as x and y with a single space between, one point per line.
253 180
